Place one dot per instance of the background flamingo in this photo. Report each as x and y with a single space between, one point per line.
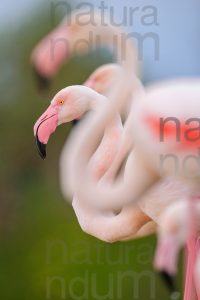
73 37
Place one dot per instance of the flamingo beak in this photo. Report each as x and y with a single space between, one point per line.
75 122
166 262
44 127
43 82
169 280
49 55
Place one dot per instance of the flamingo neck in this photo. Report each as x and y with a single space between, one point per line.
97 103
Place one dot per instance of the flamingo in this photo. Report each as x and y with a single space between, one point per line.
71 103
73 37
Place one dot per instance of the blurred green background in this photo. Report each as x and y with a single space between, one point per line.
43 252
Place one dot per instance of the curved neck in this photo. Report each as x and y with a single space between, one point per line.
98 102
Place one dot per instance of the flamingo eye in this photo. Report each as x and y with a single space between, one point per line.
61 102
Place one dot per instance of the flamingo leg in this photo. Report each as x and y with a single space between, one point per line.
190 292
192 249
197 279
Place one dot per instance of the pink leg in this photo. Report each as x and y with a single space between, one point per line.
168 248
167 255
192 250
197 285
189 293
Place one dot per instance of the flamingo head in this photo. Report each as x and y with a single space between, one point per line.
57 48
68 105
102 78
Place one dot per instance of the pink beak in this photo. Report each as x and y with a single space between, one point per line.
49 55
44 127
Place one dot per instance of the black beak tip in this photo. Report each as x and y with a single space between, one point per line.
43 82
41 148
170 282
75 122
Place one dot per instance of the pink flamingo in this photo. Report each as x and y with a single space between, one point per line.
71 103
